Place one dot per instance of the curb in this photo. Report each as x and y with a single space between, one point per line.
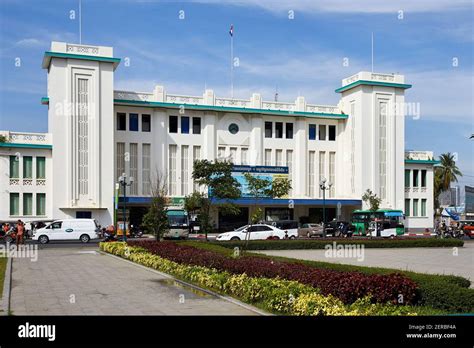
222 297
5 302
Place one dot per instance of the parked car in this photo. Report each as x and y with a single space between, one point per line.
310 230
290 226
254 232
70 229
468 228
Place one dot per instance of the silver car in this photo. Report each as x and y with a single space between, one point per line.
310 230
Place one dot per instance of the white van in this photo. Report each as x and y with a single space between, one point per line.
70 229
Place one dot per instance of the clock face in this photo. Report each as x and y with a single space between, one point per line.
233 128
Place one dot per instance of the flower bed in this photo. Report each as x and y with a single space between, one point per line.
276 295
346 286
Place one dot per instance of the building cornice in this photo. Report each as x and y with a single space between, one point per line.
372 83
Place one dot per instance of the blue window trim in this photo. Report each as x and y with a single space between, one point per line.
184 124
133 122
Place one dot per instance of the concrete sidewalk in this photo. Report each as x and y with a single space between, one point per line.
81 281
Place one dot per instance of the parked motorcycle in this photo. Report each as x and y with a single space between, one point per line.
135 232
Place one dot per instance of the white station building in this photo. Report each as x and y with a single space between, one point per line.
96 133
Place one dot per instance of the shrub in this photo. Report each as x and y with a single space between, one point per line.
347 286
321 243
447 293
276 295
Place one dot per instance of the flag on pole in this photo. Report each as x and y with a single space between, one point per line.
231 30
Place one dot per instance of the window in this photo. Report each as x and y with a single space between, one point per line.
196 156
134 168
221 152
40 167
415 207
120 160
332 133
82 215
407 177
40 204
133 122
14 167
279 157
278 129
312 132
268 129
311 159
197 125
353 145
121 121
172 169
233 155
423 178
383 149
184 170
244 155
322 165
146 123
322 132
407 207
184 124
268 157
27 167
27 204
173 126
83 147
146 164
332 173
58 224
423 207
289 164
14 204
415 177
289 131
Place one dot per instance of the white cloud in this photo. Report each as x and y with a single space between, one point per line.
30 42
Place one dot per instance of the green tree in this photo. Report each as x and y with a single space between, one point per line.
3 139
259 188
371 200
217 177
155 220
446 173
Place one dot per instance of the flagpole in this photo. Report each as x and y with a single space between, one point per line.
80 21
372 50
232 65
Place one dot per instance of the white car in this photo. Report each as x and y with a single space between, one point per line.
253 232
71 229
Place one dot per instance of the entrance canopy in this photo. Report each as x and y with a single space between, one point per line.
286 201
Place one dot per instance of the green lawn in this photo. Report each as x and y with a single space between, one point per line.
3 266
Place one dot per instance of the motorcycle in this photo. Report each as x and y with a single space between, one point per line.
135 232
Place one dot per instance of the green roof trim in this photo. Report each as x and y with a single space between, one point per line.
230 109
48 55
372 83
28 146
422 161
45 100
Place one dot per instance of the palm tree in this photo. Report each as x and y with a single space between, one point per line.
448 170
446 173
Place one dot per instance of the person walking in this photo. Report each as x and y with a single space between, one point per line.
20 230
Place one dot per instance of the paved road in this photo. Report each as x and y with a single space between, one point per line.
81 281
423 260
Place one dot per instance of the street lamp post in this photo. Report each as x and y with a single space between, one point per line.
324 186
123 183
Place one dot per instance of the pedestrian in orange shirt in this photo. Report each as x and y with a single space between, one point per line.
20 229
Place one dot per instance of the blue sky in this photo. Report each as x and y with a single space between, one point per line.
299 56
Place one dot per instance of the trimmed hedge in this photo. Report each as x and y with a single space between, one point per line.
347 286
448 293
321 243
275 295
